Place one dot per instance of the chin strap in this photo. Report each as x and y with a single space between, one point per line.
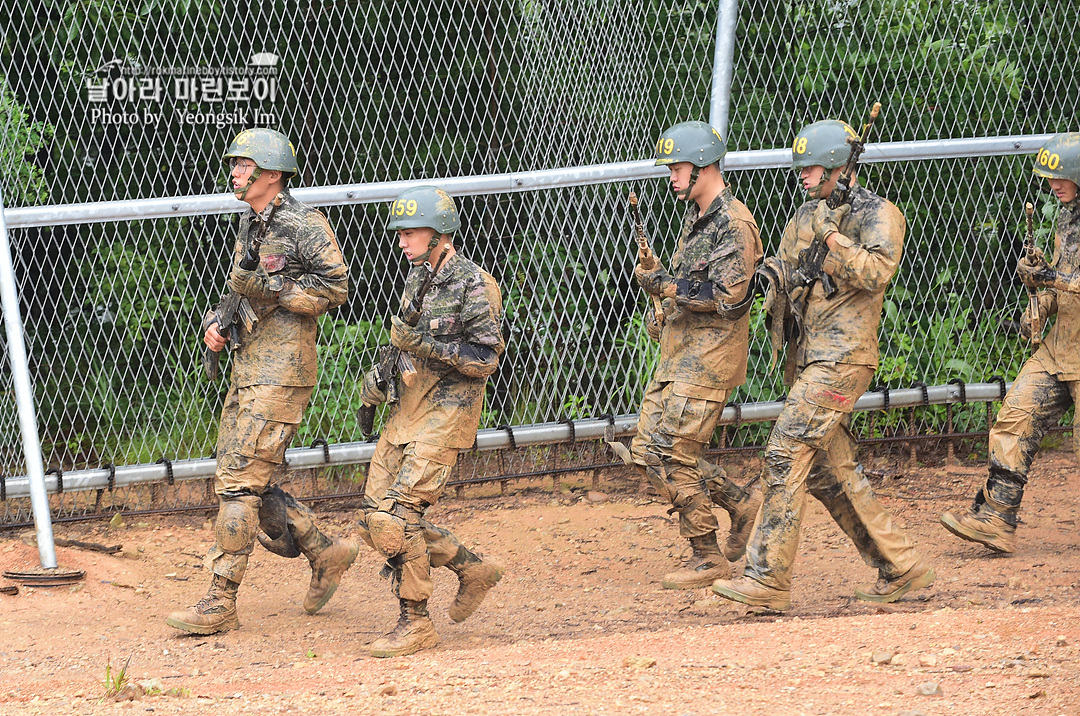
432 245
685 193
242 191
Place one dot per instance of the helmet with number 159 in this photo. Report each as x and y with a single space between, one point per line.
424 206
1059 158
823 144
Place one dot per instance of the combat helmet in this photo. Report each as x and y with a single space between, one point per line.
695 142
1059 158
825 144
424 207
269 149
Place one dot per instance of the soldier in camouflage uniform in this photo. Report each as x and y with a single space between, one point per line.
455 347
1049 382
703 354
294 276
810 447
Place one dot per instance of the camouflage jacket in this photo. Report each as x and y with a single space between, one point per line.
700 349
844 328
1058 351
301 276
462 312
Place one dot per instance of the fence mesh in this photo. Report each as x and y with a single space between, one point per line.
111 100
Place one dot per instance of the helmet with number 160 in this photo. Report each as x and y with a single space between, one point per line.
424 206
823 144
694 142
1059 158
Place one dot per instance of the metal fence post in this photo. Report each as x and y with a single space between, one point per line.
727 17
24 397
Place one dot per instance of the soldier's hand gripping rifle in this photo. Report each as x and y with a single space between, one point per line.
812 258
234 311
1033 256
393 362
646 257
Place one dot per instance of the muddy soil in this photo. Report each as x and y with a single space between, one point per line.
579 625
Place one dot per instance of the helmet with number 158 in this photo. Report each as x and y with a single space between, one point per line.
823 144
424 206
1059 158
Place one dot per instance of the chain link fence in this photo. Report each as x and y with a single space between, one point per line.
112 101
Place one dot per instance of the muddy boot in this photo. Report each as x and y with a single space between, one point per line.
750 591
889 590
742 506
216 612
475 578
706 565
414 631
981 527
326 570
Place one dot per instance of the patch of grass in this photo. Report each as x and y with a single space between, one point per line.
115 680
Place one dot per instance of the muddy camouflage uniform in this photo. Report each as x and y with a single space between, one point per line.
437 414
811 447
703 358
301 276
1048 384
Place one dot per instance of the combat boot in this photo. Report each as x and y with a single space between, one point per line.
742 505
475 578
982 527
705 566
889 590
326 569
414 631
750 591
216 612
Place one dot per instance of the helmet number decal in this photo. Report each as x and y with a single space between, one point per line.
665 146
800 145
401 207
1051 161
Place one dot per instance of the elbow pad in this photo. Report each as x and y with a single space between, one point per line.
695 295
476 361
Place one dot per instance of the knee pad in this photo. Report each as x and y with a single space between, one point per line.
387 532
274 521
237 523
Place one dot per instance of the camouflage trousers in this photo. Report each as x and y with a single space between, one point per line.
406 480
257 424
812 449
1035 403
672 433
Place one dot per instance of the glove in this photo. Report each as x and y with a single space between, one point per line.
409 340
657 282
255 284
1036 304
651 326
1036 273
827 220
370 393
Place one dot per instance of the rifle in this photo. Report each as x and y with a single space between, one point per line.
235 308
813 256
233 311
393 362
1033 255
646 257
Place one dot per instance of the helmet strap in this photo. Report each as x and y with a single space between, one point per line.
685 193
432 245
255 174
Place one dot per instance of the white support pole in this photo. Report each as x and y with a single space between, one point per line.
727 17
24 396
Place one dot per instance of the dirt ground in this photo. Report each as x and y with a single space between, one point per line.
579 625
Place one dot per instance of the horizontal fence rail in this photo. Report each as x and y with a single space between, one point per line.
344 195
494 439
